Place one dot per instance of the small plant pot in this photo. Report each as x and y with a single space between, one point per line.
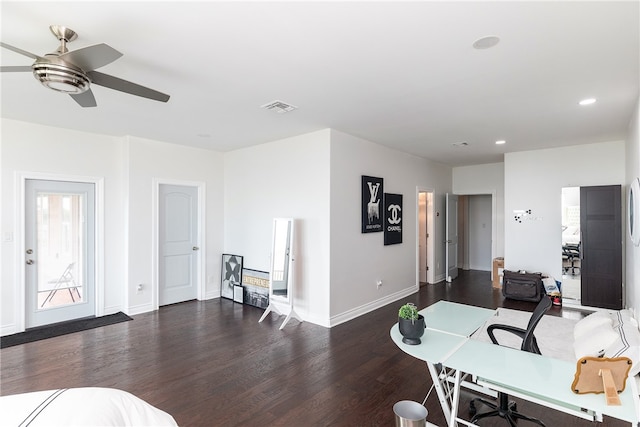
412 330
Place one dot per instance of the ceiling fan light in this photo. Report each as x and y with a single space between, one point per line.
64 86
61 78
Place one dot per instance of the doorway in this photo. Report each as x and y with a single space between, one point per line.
60 225
179 225
472 218
451 236
592 246
425 238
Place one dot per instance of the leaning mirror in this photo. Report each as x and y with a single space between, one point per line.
281 258
281 272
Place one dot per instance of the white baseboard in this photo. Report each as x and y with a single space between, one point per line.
212 295
439 278
373 305
139 309
9 329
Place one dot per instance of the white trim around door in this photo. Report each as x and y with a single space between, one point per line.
201 253
20 247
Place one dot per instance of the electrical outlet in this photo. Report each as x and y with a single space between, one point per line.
378 284
139 288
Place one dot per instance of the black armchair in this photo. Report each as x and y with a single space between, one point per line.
504 408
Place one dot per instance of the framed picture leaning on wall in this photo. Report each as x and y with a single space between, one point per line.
231 274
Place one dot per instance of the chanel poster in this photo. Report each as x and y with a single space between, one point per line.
371 198
392 219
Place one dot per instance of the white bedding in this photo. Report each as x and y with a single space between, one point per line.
90 406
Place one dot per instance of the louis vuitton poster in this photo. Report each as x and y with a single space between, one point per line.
392 219
371 204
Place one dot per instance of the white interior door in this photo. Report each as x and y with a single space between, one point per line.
178 237
451 236
60 251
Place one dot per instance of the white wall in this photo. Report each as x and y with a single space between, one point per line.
485 179
127 167
287 178
533 180
479 235
359 260
150 162
336 265
632 169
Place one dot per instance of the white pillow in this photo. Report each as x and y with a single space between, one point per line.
596 342
626 344
594 320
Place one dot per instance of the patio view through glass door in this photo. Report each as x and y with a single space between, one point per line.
59 249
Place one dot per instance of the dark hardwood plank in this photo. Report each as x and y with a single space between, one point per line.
211 363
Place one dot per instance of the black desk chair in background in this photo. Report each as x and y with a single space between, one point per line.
571 254
504 408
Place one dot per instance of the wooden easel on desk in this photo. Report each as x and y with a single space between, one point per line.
602 375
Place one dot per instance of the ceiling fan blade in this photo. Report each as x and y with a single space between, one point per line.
116 83
15 68
85 99
91 57
18 50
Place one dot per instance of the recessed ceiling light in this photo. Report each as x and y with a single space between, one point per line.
500 142
486 42
587 101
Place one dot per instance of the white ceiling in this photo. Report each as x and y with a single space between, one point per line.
402 74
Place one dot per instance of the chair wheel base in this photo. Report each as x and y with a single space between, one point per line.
503 408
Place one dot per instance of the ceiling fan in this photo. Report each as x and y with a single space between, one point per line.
74 72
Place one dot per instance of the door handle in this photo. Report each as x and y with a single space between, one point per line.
29 261
29 251
195 248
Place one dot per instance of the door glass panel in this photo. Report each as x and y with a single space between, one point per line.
59 249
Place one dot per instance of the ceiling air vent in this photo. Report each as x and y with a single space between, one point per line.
279 107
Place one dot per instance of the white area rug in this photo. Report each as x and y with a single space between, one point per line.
554 334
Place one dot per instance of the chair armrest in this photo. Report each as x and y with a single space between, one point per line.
508 328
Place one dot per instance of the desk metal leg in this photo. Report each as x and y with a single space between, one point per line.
456 400
442 396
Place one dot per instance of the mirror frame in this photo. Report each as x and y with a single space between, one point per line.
276 297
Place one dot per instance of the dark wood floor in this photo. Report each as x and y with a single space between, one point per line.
211 363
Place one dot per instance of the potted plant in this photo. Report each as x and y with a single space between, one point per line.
411 324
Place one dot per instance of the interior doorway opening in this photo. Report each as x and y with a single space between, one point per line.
425 228
476 231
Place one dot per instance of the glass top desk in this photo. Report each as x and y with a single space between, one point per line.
533 377
454 318
449 325
539 379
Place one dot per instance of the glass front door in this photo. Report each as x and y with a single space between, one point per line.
59 251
